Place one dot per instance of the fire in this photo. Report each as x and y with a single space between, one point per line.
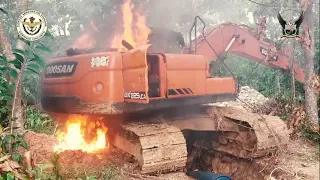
86 40
127 20
135 29
82 134
142 30
132 28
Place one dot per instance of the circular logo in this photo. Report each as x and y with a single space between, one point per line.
31 25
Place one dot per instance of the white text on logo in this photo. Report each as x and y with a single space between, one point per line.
100 61
59 69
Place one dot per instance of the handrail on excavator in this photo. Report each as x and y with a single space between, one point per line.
194 26
204 37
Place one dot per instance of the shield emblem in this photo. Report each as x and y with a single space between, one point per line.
290 30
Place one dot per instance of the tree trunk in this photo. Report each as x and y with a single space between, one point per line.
308 45
22 6
293 85
17 125
6 49
292 47
17 108
5 44
278 84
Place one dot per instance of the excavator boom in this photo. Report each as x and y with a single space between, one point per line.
220 39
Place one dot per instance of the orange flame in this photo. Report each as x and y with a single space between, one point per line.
127 20
135 29
82 134
142 30
86 40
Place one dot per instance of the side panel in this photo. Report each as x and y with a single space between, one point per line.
221 85
135 75
83 82
186 75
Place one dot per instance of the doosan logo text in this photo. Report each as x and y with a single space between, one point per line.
60 69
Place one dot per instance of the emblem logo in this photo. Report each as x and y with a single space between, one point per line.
290 29
31 25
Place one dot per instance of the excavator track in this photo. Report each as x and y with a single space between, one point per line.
157 147
252 135
160 142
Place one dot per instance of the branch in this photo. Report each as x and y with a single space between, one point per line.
267 5
270 176
260 3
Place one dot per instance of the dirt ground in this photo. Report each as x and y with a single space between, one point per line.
300 158
75 164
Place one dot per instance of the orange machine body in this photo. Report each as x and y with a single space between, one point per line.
121 82
138 80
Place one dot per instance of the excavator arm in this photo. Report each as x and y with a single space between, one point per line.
240 40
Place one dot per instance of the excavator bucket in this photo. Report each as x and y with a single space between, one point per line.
135 75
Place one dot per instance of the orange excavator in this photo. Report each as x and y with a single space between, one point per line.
153 99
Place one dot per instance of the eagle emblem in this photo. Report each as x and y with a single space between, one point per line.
31 27
290 29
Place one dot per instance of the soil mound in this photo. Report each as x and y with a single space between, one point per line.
251 100
41 147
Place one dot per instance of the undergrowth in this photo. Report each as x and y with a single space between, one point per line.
311 135
109 173
308 133
38 121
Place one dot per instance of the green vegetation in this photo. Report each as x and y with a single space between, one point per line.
29 62
39 122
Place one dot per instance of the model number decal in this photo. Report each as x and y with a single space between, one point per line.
265 53
100 61
135 95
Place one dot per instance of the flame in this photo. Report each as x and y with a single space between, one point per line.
82 134
86 40
135 29
141 29
127 20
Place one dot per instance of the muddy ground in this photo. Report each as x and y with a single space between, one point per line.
299 160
